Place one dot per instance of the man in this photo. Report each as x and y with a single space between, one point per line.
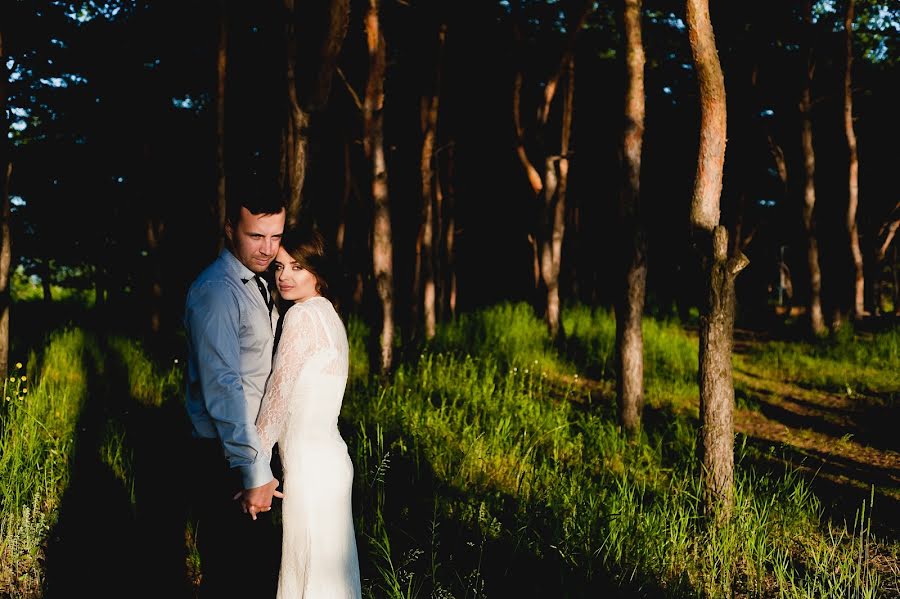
229 321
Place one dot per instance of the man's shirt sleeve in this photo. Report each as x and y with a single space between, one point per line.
214 320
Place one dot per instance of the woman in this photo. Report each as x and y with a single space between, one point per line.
299 411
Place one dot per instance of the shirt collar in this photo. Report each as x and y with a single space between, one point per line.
234 266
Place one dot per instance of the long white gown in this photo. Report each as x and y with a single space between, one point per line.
299 411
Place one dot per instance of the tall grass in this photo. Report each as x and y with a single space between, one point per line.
509 460
845 362
37 432
486 463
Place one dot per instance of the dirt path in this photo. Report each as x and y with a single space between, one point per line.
843 443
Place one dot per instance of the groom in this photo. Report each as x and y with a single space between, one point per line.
229 321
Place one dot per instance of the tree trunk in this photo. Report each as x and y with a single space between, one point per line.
5 241
427 233
316 48
630 307
816 318
859 307
557 180
716 384
549 192
45 280
154 231
717 310
5 244
448 218
382 243
221 69
293 144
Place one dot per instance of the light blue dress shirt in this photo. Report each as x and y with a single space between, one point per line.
230 334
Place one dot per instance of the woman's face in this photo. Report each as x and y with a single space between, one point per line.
294 282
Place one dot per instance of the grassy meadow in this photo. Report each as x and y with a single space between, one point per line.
489 464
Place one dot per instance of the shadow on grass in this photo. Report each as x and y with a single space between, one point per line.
135 550
870 423
840 500
467 555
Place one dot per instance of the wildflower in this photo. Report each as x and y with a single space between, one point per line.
7 398
23 378
25 390
576 376
18 365
176 360
12 379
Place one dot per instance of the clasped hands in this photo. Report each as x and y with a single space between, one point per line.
258 499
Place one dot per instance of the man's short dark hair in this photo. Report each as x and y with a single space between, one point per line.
257 196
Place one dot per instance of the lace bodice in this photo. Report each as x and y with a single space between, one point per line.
313 344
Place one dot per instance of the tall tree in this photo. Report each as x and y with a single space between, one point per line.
382 235
720 270
816 319
550 189
425 282
314 35
5 241
630 304
221 72
859 309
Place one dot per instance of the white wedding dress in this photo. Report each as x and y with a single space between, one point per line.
299 411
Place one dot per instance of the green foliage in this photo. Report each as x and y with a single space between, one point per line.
478 468
37 434
670 355
845 362
514 460
146 382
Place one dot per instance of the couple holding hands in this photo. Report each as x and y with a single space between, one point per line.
244 395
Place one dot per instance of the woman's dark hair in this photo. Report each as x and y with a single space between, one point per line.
307 247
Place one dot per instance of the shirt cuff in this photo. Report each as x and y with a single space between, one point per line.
256 474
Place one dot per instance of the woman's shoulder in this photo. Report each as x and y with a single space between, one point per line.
307 308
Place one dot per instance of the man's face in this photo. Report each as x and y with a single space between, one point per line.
255 238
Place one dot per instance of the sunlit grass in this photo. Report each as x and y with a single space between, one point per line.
37 434
517 463
846 362
148 383
487 453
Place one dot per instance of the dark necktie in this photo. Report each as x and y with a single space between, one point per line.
269 302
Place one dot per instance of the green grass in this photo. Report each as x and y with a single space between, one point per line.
37 434
485 419
845 362
486 463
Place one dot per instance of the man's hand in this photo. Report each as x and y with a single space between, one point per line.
259 499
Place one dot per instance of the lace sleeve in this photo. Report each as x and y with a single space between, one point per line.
296 344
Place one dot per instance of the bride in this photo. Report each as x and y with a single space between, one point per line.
299 411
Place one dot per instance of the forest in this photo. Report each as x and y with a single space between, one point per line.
621 283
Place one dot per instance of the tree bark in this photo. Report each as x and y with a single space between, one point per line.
859 307
630 307
382 242
549 191
717 310
5 241
448 218
816 318
221 70
425 254
293 143
45 280
716 377
154 230
308 93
